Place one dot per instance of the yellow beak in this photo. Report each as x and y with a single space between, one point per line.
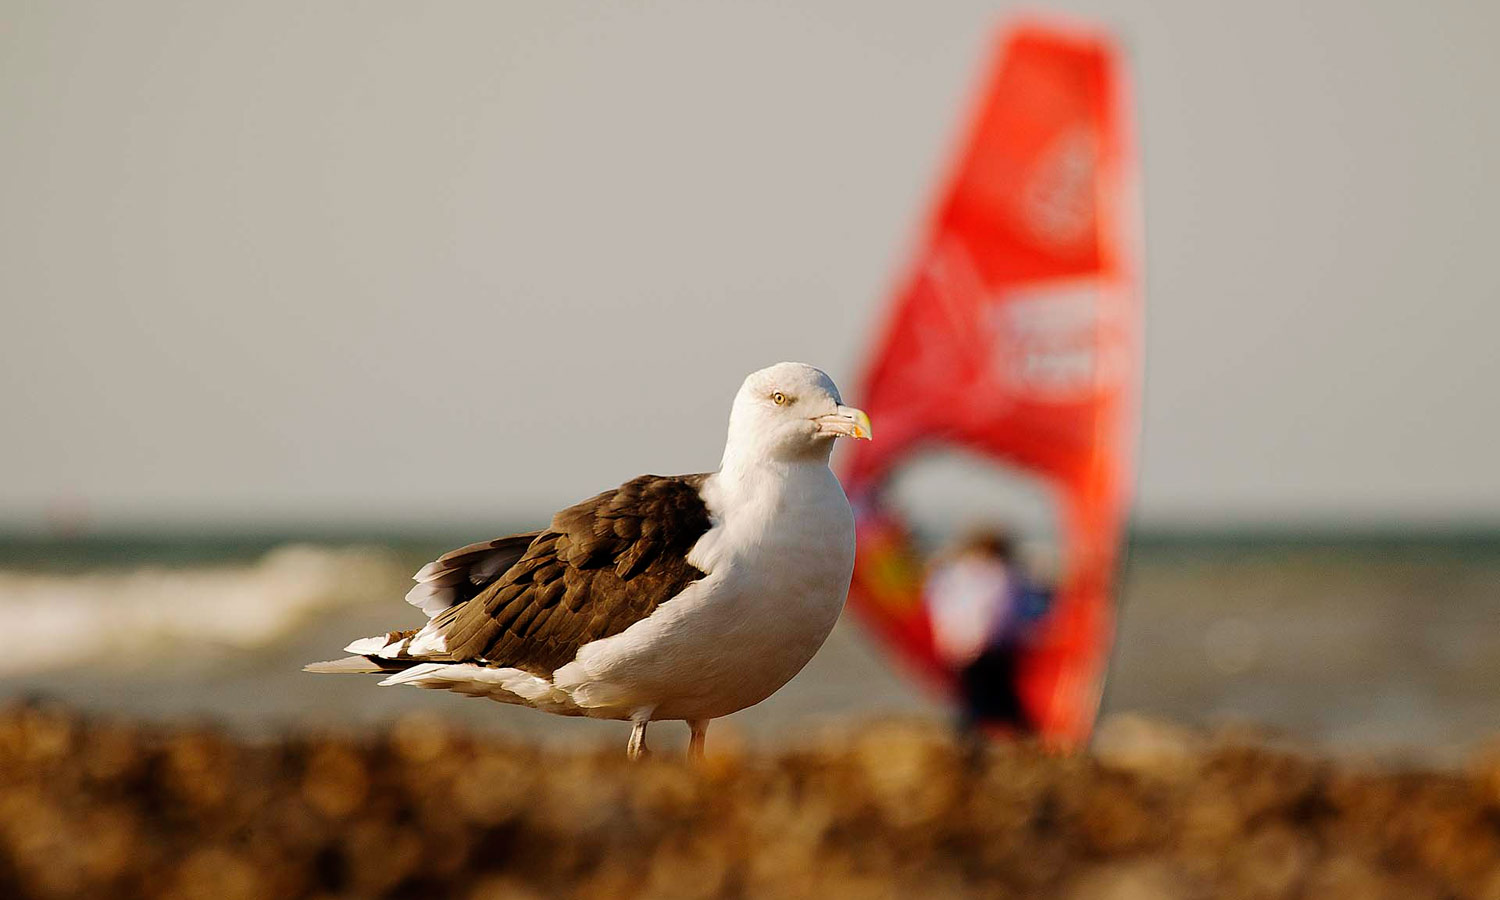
846 422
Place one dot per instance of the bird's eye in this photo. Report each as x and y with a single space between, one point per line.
779 399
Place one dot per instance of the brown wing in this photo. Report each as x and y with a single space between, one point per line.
601 566
459 575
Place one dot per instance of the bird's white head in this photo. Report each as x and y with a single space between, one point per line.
790 412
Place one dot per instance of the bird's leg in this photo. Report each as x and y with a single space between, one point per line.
698 736
636 749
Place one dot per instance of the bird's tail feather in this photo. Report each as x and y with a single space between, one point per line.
358 665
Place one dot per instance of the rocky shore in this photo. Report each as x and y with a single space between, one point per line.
95 807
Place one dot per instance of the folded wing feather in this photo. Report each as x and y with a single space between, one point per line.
526 603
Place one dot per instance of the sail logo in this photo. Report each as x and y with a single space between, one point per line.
1057 202
1056 343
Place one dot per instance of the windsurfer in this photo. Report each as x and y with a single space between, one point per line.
981 605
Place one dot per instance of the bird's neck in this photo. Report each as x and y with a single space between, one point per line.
746 458
753 502
766 485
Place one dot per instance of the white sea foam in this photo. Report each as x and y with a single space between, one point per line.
52 620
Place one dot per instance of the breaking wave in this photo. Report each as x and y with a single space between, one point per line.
52 620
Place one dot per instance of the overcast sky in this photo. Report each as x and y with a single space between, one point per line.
279 262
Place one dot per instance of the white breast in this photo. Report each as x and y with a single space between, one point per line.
779 559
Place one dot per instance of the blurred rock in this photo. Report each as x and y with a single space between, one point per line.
1145 746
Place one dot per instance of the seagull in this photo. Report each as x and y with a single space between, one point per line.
681 597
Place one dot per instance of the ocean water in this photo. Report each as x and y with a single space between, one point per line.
1369 645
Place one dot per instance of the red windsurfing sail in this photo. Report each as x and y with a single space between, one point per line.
1016 336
